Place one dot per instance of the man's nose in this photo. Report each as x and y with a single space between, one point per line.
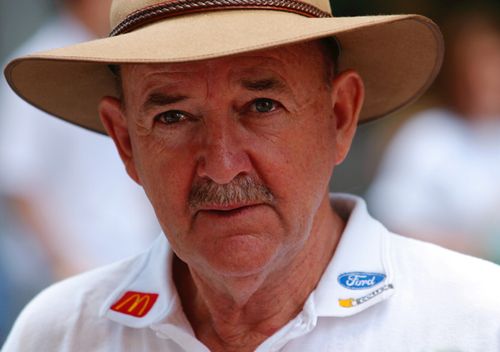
222 155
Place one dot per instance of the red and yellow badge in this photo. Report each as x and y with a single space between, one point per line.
137 304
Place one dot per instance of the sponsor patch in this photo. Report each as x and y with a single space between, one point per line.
360 280
136 304
353 302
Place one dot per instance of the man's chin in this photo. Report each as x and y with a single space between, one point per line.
240 256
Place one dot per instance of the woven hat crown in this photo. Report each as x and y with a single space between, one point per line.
123 9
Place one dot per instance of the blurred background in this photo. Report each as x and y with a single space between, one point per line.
430 171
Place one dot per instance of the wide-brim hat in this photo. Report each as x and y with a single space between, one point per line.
397 56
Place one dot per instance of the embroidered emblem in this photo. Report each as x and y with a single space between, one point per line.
137 304
360 280
353 302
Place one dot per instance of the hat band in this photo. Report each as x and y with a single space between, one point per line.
174 8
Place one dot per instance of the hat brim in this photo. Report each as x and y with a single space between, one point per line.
397 56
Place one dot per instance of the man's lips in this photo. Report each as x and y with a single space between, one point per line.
226 209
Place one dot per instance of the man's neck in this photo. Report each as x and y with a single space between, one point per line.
246 311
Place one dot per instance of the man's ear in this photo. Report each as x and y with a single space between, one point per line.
115 123
348 93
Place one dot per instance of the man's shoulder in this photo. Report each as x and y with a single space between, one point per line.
434 271
436 252
68 307
91 286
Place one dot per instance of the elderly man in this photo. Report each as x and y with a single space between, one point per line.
232 115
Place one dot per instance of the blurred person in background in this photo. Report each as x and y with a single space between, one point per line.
67 203
440 178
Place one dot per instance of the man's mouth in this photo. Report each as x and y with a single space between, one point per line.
227 210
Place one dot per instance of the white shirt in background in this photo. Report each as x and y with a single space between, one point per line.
100 214
441 177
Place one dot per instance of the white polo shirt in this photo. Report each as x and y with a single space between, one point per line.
381 292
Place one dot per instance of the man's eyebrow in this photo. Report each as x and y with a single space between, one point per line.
159 99
263 84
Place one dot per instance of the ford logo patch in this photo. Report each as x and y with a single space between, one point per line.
360 280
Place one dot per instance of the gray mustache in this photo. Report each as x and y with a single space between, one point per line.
243 189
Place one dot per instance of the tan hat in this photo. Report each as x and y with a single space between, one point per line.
397 56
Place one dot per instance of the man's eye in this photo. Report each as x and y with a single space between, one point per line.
171 117
264 105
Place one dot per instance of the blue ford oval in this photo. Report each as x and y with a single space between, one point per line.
360 280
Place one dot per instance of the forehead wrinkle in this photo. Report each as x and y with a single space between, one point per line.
258 79
266 80
262 73
149 76
264 84
161 82
167 68
160 99
261 66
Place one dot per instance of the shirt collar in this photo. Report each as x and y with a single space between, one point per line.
147 294
358 277
360 274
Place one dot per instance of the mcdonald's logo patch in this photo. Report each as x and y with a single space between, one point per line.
137 304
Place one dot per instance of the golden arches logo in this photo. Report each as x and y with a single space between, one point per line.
137 304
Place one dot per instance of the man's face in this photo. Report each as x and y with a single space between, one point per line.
235 153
